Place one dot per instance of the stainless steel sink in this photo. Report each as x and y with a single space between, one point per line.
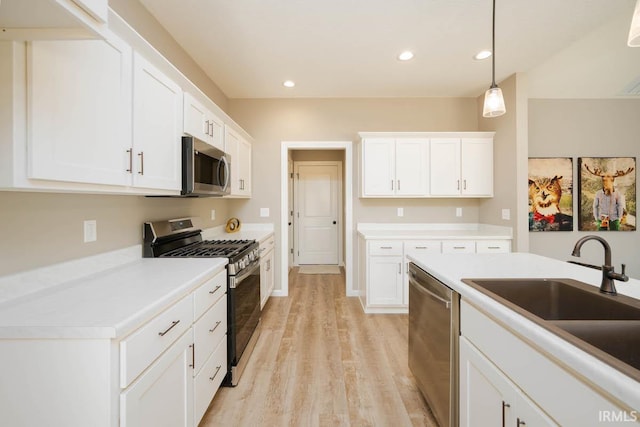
606 326
560 299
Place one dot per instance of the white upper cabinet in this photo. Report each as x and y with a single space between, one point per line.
461 167
79 122
394 167
157 128
201 123
239 149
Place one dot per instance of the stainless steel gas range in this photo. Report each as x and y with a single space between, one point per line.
181 238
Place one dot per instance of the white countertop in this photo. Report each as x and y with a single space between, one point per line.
451 268
428 231
109 304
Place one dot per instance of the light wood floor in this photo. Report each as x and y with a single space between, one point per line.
320 361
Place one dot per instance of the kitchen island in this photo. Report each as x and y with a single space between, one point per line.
564 384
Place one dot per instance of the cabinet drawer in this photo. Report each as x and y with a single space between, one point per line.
267 245
207 295
422 247
385 247
208 331
162 395
143 346
209 380
493 246
458 246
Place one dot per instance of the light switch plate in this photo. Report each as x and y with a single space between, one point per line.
264 212
458 211
213 214
506 214
400 211
90 231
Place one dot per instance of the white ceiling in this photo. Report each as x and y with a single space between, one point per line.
348 48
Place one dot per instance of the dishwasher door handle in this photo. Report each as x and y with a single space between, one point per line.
416 285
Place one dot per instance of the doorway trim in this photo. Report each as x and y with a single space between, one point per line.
347 146
296 224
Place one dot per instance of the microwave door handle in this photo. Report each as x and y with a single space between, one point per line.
226 172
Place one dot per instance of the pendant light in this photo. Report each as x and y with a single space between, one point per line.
634 31
493 99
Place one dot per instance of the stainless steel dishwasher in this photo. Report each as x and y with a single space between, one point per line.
434 329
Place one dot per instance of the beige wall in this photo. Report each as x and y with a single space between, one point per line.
139 18
505 156
585 128
40 229
271 121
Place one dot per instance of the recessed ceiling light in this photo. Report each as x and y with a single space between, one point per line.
289 83
405 56
483 54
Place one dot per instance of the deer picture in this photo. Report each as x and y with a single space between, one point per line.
608 204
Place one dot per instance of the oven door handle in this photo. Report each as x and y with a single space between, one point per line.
255 265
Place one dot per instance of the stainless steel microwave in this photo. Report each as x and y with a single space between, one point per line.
205 169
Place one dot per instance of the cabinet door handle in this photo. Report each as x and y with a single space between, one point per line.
464 184
173 324
215 290
193 356
392 184
521 423
211 127
216 327
206 123
399 268
458 181
398 185
504 416
130 151
216 372
141 155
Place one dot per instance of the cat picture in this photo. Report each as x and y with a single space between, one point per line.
550 194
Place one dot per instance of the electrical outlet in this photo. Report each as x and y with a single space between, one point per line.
213 214
90 231
400 211
458 212
264 212
506 214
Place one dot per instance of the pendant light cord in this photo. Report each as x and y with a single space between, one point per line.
493 47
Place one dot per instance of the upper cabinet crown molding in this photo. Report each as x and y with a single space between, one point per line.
365 135
53 19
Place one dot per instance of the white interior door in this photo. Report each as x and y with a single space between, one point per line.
317 215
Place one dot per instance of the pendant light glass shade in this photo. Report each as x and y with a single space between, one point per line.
493 99
493 103
634 32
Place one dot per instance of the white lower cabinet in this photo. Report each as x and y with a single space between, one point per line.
489 398
267 272
208 380
502 373
163 395
384 267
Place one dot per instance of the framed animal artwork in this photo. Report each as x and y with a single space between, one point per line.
550 194
607 199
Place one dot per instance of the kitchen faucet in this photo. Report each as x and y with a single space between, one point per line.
608 271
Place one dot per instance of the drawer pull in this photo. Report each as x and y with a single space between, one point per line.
459 247
216 327
494 247
174 323
215 290
421 247
216 372
386 247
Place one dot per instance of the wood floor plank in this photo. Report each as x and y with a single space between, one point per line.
320 361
